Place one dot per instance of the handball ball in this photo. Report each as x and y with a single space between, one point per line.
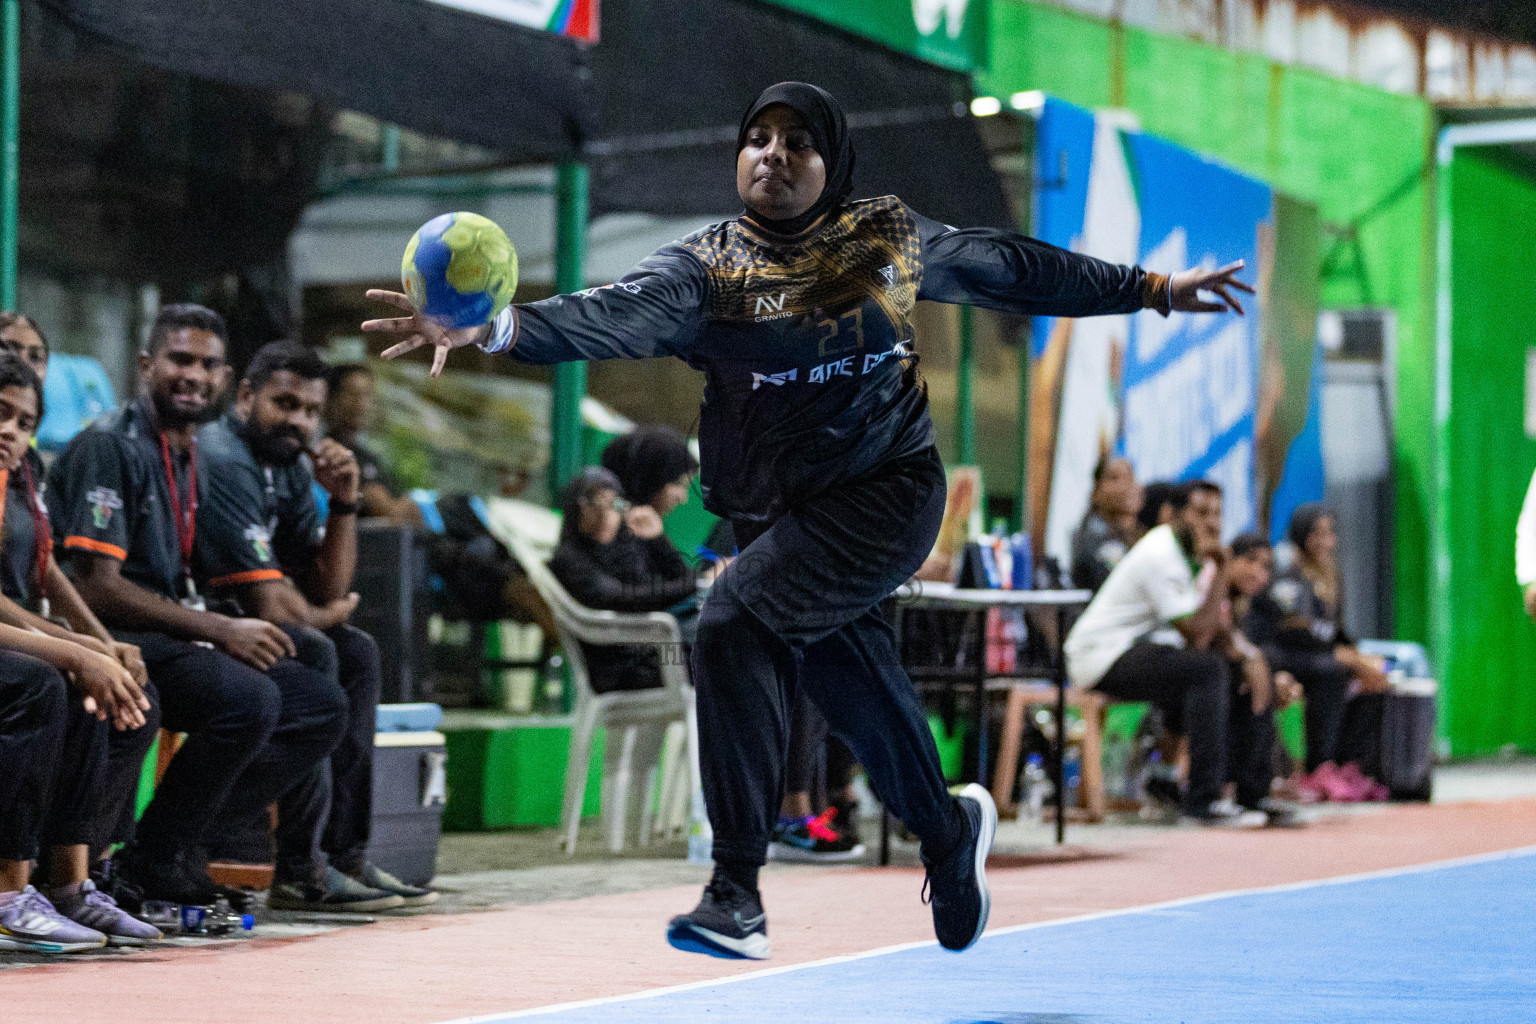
460 269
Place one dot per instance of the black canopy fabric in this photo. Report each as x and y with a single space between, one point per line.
431 68
653 107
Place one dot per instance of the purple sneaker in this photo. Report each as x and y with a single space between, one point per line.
28 922
93 908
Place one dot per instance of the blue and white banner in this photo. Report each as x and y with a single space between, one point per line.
1178 395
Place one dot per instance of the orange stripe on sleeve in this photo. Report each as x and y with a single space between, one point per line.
101 547
253 576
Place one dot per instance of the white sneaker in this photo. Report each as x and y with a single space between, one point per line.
1224 814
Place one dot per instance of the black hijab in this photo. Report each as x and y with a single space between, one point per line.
823 117
647 459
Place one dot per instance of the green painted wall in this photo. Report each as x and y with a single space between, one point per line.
1361 155
1488 700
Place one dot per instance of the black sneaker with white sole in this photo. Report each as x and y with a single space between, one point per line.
729 922
957 885
334 892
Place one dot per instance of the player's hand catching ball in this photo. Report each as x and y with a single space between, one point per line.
423 330
1184 290
336 470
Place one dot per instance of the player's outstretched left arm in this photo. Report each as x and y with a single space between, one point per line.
1013 273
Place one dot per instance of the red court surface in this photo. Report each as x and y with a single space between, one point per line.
438 968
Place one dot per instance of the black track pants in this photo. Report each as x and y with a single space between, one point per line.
798 611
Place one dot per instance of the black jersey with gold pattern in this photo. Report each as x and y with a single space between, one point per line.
802 340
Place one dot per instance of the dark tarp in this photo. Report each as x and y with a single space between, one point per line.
433 69
656 111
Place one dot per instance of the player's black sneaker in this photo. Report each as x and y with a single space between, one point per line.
728 922
957 885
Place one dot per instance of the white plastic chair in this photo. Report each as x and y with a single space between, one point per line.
636 720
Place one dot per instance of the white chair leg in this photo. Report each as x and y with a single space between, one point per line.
675 781
576 767
618 766
647 768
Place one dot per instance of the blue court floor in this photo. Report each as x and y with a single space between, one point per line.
1444 943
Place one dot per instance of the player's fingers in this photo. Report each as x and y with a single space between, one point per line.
1230 268
1241 286
1222 291
397 299
394 324
410 344
439 359
1201 306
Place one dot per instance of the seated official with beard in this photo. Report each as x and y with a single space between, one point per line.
261 542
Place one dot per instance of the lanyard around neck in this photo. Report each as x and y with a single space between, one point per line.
185 515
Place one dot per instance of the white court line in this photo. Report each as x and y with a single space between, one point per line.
1098 915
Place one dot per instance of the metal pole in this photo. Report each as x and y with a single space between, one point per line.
965 413
10 175
389 149
565 457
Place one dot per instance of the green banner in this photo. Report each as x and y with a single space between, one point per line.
950 33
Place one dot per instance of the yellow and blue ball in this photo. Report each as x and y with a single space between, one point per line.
460 269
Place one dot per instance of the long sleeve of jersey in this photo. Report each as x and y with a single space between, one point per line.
1013 273
655 310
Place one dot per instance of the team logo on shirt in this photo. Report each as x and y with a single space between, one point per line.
102 501
261 542
780 379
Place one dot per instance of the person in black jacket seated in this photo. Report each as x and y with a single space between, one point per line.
615 558
1299 623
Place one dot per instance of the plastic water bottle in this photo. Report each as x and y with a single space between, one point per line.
1023 562
1035 785
1072 773
701 838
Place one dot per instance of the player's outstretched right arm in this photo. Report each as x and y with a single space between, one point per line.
655 310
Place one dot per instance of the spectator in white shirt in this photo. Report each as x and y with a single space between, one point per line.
1156 632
